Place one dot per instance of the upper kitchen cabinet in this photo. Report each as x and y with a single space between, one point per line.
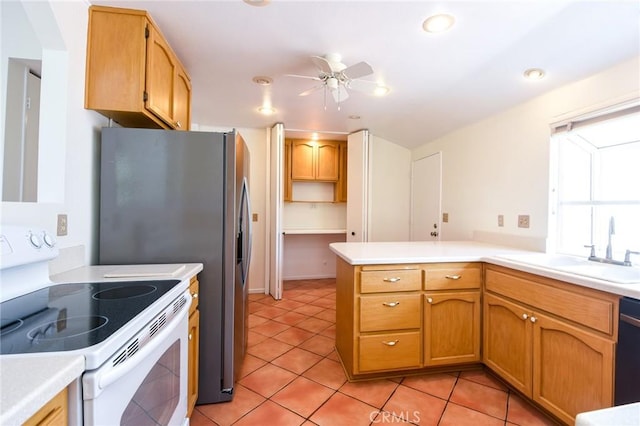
314 160
133 76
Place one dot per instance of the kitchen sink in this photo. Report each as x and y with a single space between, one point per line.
579 266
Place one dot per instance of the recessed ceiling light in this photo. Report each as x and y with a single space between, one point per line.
354 117
380 90
266 110
258 3
262 80
438 23
534 74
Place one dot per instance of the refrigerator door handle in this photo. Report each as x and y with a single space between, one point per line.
246 213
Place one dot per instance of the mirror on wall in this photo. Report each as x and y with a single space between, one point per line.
34 91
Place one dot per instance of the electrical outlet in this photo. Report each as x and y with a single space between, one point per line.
500 220
523 221
61 229
445 217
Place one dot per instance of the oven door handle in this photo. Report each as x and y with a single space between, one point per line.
114 374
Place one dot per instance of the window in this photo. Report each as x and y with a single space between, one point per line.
596 188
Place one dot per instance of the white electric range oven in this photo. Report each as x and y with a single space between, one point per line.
132 334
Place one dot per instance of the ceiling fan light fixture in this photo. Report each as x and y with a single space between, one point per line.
257 3
438 23
266 110
380 90
262 80
534 74
332 83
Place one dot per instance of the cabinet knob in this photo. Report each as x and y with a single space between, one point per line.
525 316
429 300
391 280
353 233
391 343
390 304
533 319
190 336
194 295
178 125
453 277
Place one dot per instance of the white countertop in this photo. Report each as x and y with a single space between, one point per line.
622 415
29 382
386 253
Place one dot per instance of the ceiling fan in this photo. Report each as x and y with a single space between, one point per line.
336 77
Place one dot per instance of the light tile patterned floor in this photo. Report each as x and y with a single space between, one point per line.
292 376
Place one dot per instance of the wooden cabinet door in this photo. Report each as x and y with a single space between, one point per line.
302 160
341 185
451 327
194 350
327 161
53 413
508 341
115 68
160 76
572 369
288 186
182 100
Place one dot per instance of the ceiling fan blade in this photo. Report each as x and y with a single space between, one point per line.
308 77
322 64
340 94
358 70
310 91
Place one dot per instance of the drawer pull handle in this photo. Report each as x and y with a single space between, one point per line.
390 304
391 280
429 300
391 343
525 316
453 277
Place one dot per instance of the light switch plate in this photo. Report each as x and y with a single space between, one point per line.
523 221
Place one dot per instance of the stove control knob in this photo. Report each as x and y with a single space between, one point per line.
35 240
48 240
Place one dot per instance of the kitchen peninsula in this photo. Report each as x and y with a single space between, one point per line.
411 307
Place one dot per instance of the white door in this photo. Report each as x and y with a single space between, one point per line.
357 186
426 196
277 205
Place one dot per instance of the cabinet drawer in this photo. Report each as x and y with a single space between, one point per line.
452 276
596 312
389 312
389 351
390 280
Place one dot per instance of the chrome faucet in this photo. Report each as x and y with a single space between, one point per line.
612 231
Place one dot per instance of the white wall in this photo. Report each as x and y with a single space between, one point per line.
390 183
80 147
500 165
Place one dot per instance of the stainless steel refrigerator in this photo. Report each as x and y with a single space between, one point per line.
176 197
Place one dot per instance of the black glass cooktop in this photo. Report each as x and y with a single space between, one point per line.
67 317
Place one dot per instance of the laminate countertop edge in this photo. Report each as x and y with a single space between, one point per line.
28 382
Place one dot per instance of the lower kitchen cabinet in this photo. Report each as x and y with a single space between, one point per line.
394 318
451 327
194 347
552 341
53 413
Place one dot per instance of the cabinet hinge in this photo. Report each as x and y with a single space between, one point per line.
145 96
146 32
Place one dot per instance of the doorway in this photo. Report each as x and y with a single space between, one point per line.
426 198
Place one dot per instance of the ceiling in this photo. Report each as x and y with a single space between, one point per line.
438 82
